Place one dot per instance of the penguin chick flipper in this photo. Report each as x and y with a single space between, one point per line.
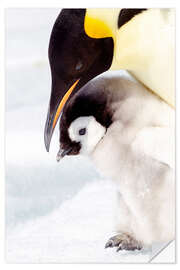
124 241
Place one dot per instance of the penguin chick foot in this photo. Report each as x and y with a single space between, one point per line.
123 241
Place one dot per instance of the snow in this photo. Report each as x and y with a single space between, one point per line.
55 212
75 232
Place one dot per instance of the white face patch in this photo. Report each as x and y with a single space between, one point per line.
92 133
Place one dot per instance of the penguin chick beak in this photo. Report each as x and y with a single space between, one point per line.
52 118
62 153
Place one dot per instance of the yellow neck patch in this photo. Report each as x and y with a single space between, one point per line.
101 22
96 28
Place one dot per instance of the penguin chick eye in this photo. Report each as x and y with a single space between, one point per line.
82 131
79 65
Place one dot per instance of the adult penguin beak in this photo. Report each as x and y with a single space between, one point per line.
56 105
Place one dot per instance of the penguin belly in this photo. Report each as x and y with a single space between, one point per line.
145 47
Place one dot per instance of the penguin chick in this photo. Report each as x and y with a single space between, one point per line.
128 133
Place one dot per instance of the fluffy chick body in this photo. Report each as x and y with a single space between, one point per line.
137 153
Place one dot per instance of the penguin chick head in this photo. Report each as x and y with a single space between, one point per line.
86 132
84 120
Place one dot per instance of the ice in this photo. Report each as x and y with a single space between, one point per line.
55 212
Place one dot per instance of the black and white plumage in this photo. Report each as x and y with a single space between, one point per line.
128 132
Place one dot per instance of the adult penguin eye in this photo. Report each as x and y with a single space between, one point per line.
82 131
79 65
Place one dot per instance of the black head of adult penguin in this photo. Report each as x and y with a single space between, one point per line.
75 58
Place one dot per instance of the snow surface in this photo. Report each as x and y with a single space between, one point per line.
55 212
76 232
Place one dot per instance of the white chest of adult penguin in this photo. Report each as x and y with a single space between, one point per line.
86 42
128 132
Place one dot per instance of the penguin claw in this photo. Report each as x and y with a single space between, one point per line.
119 248
123 242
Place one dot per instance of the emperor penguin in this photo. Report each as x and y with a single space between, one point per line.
87 42
128 133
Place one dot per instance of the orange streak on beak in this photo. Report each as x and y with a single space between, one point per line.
62 103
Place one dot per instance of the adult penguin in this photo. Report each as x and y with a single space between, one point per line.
87 42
